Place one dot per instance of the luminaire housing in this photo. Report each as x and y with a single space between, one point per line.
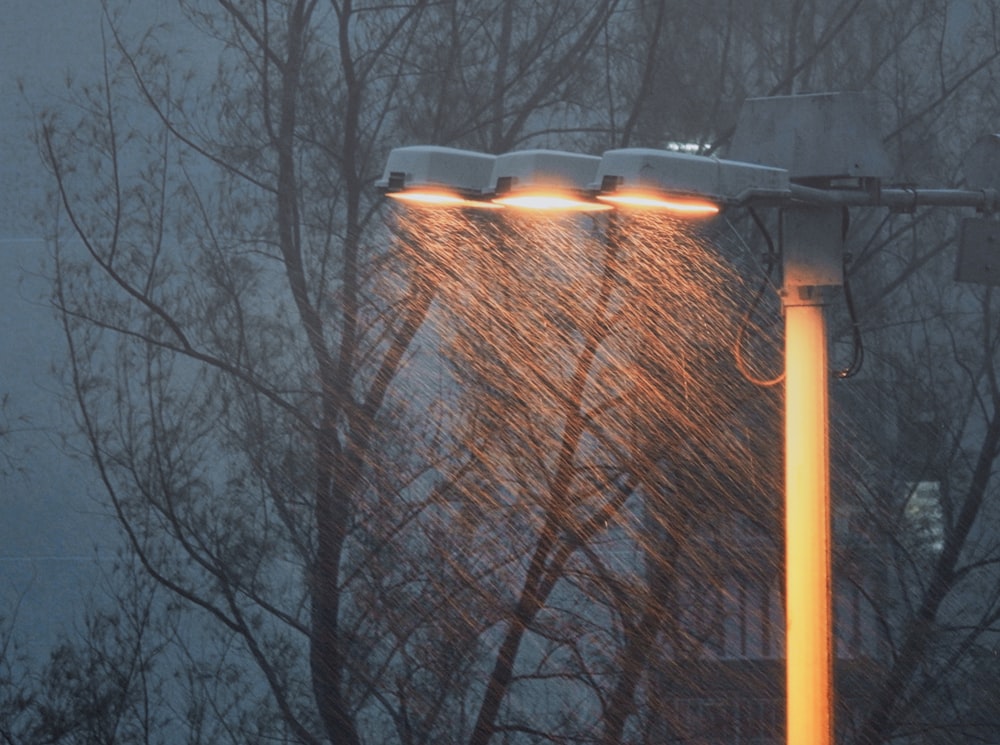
683 176
546 180
431 169
555 180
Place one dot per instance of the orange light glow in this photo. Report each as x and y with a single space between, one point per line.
655 201
438 198
551 201
809 625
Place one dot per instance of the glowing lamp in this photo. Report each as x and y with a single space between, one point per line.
694 185
644 199
546 180
433 176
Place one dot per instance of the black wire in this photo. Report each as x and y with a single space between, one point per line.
741 335
858 355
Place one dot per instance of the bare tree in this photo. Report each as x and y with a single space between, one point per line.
454 478
107 683
236 322
929 502
16 696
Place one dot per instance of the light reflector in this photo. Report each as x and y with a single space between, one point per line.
551 201
650 200
437 198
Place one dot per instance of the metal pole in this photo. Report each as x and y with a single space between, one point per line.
812 251
807 529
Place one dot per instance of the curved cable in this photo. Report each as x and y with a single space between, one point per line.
741 335
858 355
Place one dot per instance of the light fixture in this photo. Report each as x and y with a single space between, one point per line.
546 180
814 156
433 176
693 185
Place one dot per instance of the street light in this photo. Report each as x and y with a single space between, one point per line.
546 180
554 180
693 185
813 156
433 176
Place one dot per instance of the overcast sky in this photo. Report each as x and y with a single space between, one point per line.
50 521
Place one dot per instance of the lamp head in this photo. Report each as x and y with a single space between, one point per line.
434 176
683 183
545 180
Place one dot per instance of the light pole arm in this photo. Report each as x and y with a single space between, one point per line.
984 200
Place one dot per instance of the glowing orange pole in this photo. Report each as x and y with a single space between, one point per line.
807 529
813 267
